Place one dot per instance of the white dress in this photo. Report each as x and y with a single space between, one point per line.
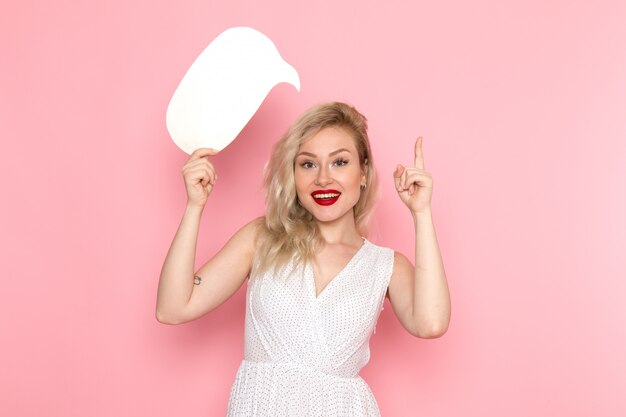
303 353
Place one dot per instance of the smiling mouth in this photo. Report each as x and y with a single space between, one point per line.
325 197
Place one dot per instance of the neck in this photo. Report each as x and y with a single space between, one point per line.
340 231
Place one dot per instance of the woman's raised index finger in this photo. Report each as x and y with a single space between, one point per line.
200 152
419 155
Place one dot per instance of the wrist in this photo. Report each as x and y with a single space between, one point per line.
425 214
192 209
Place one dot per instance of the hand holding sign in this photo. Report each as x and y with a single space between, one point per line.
199 176
223 89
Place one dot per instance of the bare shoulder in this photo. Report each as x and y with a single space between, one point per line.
402 275
248 234
401 264
253 226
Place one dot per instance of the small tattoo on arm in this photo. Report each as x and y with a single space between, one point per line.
197 280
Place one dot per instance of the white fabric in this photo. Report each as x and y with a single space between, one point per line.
303 353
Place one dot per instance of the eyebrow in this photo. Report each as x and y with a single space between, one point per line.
330 154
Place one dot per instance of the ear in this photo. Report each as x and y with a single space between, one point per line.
364 169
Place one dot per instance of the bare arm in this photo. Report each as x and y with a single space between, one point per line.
178 299
420 296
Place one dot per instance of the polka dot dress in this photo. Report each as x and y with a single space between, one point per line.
303 352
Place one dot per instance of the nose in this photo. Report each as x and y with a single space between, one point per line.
323 178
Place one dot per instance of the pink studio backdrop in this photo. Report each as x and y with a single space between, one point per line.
522 106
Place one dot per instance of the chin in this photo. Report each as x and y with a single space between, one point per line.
328 217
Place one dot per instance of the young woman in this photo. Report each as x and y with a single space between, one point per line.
316 286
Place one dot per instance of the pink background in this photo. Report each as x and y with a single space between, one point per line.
523 111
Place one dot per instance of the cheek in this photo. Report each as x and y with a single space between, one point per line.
298 179
301 181
354 179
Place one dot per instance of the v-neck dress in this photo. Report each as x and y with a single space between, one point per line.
303 352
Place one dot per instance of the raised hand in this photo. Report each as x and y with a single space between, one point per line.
200 176
414 184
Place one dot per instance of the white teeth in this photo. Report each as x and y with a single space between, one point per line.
330 195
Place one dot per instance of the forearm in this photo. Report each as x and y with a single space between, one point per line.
431 308
176 281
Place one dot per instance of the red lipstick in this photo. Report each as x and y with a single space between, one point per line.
325 197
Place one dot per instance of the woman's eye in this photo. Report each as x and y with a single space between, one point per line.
307 164
341 162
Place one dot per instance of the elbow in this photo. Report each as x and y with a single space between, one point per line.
431 331
167 319
435 332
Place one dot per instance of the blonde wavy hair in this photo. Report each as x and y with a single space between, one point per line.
289 231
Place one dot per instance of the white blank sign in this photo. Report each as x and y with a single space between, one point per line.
224 87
